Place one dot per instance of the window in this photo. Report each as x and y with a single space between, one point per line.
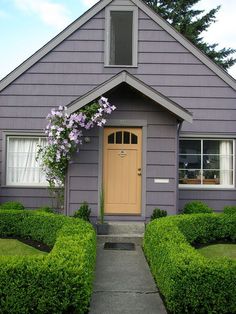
121 36
122 137
206 162
22 167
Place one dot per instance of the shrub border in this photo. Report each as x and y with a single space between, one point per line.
190 282
60 282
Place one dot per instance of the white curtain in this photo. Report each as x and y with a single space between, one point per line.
22 167
226 151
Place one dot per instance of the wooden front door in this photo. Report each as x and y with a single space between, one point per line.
122 170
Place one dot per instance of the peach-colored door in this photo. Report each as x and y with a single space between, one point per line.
122 170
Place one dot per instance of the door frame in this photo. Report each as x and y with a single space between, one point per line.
126 124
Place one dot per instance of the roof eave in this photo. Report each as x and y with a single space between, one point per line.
121 77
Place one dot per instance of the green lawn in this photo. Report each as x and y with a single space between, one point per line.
15 247
219 250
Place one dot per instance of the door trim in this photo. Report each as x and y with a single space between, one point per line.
125 123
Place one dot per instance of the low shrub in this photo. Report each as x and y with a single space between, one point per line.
190 282
229 210
158 213
46 209
12 205
83 212
61 281
196 207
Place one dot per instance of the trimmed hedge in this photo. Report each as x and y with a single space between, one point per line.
197 207
190 282
12 205
229 210
158 213
60 282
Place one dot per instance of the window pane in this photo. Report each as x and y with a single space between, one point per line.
111 138
189 177
134 139
126 137
211 147
190 161
211 162
121 37
211 177
118 137
190 147
226 177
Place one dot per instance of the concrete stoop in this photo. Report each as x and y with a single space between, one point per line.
124 227
123 231
121 238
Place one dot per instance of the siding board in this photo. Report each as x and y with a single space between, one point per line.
167 58
80 45
147 24
69 57
160 144
160 47
161 171
161 198
154 35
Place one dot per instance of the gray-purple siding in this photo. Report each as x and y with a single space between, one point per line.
76 66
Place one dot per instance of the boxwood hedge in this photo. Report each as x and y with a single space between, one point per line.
60 282
190 282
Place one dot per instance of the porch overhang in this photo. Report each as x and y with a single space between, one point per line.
125 77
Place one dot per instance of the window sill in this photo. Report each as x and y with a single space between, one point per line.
25 186
205 187
120 66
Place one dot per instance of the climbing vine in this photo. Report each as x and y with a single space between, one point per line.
64 133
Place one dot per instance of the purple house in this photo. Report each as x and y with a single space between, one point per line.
170 140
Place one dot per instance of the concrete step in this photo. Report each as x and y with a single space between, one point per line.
121 238
126 227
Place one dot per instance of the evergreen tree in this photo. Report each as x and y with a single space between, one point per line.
191 23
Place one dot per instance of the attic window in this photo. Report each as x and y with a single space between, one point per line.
121 36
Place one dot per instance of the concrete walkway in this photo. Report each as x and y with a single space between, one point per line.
124 284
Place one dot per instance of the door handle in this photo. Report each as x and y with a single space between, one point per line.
139 172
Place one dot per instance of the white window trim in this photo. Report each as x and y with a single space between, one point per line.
134 9
210 186
33 136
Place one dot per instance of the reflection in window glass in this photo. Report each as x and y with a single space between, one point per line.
190 161
190 147
118 137
111 138
211 147
134 139
126 137
121 38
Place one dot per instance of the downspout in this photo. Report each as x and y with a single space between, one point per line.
179 126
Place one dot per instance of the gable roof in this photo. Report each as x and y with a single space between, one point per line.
125 77
93 11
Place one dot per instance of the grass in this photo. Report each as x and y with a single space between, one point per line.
219 250
12 247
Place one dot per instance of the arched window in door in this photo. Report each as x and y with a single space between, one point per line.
122 137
